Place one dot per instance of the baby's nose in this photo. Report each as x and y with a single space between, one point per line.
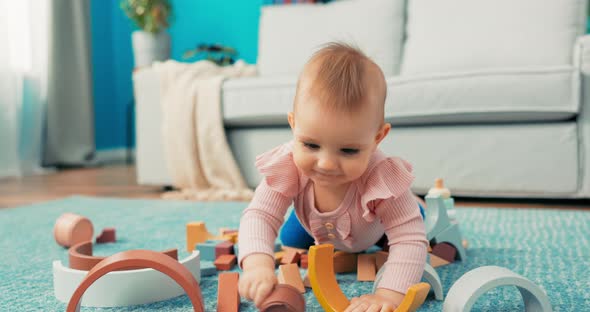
327 164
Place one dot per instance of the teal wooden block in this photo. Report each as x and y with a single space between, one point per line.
208 268
207 249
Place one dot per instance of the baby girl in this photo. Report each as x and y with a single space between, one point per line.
345 191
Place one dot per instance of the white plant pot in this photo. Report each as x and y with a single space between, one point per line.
149 47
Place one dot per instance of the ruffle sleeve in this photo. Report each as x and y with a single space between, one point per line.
278 169
390 177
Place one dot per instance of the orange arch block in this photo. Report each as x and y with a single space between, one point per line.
322 279
142 259
414 298
330 296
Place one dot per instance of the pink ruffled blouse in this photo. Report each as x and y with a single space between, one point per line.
379 202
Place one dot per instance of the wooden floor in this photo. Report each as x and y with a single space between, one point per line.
119 181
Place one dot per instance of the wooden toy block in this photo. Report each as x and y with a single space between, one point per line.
126 281
289 274
436 261
225 262
439 189
208 250
208 268
365 271
414 298
291 256
81 258
228 299
224 231
284 298
417 293
142 259
107 236
299 250
445 251
452 235
438 227
344 262
303 261
380 259
323 280
224 248
196 233
71 229
373 249
279 257
468 289
232 237
428 248
432 278
437 219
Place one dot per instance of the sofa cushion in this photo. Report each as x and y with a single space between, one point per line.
509 95
289 34
537 160
455 35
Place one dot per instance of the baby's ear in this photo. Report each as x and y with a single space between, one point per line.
291 118
382 133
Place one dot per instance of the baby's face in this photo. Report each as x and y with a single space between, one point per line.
333 148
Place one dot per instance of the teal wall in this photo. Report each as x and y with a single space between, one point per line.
229 22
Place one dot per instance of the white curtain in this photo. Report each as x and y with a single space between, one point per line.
23 85
46 108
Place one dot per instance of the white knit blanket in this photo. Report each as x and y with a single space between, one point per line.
198 156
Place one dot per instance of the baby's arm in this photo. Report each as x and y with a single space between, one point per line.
406 233
259 226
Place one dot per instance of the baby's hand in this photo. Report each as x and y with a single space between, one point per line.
382 300
258 279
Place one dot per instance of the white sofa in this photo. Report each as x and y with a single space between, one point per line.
491 95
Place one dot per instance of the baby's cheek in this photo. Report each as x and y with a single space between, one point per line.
301 160
356 168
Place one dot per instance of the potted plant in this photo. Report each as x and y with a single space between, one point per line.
151 42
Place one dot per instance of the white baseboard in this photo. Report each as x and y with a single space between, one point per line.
115 156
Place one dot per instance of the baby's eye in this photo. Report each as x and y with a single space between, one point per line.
311 146
350 151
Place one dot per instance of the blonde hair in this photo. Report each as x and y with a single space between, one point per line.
341 78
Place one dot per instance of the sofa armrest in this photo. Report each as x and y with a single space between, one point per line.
150 160
582 63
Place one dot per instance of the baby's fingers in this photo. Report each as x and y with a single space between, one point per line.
374 308
353 303
356 305
244 288
262 292
387 308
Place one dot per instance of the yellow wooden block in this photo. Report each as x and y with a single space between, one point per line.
414 298
279 256
232 237
322 279
196 233
436 261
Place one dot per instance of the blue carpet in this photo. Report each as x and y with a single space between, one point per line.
550 247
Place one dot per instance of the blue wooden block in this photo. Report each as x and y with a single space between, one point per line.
208 268
278 246
373 249
207 249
